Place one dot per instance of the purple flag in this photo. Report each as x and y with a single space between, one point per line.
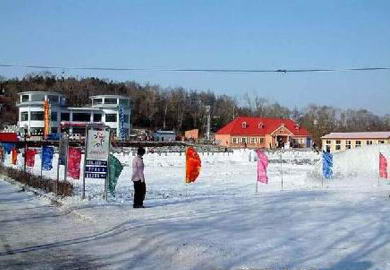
262 164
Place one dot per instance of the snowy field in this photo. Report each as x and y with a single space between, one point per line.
297 221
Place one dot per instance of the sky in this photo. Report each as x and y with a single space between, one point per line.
208 34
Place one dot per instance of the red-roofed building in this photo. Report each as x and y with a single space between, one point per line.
259 132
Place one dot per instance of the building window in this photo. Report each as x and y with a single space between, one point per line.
369 142
338 142
234 140
53 116
37 97
328 142
348 142
24 116
124 102
260 125
54 130
36 131
97 101
338 147
79 131
348 146
243 125
97 117
52 99
25 98
243 140
358 143
65 116
381 142
81 117
111 117
253 140
36 116
110 101
261 140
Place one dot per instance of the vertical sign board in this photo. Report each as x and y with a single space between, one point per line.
62 157
96 155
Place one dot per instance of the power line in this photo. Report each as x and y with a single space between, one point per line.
198 70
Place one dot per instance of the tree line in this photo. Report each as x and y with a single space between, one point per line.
154 107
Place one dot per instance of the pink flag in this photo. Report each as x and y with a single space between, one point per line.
74 159
262 164
382 166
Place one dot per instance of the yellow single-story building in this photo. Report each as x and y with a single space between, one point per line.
341 141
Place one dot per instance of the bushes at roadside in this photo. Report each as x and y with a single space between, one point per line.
48 185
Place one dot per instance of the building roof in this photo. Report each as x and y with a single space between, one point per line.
358 135
40 92
260 126
109 96
83 109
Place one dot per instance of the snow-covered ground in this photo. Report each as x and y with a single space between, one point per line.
219 222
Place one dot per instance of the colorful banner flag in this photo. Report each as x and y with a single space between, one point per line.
74 159
46 119
114 171
122 133
14 157
30 157
193 165
382 166
63 149
1 153
262 164
47 158
327 165
8 147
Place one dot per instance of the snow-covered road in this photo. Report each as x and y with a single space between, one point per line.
219 222
277 230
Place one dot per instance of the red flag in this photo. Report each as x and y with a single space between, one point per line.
30 157
193 164
14 156
382 166
74 158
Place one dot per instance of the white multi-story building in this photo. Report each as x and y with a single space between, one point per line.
341 141
104 109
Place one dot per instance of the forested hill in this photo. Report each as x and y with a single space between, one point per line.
182 109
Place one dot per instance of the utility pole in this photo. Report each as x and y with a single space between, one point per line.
208 122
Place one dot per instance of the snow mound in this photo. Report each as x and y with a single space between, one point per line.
358 162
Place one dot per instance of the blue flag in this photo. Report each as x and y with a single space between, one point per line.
327 165
47 158
122 133
8 147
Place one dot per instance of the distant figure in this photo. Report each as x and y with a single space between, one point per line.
138 179
315 148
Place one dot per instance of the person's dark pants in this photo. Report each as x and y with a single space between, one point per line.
139 193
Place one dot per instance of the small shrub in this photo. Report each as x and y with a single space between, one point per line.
48 185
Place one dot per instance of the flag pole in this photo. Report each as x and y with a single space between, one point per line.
41 160
379 166
281 169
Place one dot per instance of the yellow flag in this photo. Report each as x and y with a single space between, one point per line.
46 119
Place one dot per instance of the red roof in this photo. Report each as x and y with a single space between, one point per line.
259 126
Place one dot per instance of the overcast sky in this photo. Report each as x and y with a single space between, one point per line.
151 34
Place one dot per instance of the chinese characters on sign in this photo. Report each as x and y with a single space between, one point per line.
97 154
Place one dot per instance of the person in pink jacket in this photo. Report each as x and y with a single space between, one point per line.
138 179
